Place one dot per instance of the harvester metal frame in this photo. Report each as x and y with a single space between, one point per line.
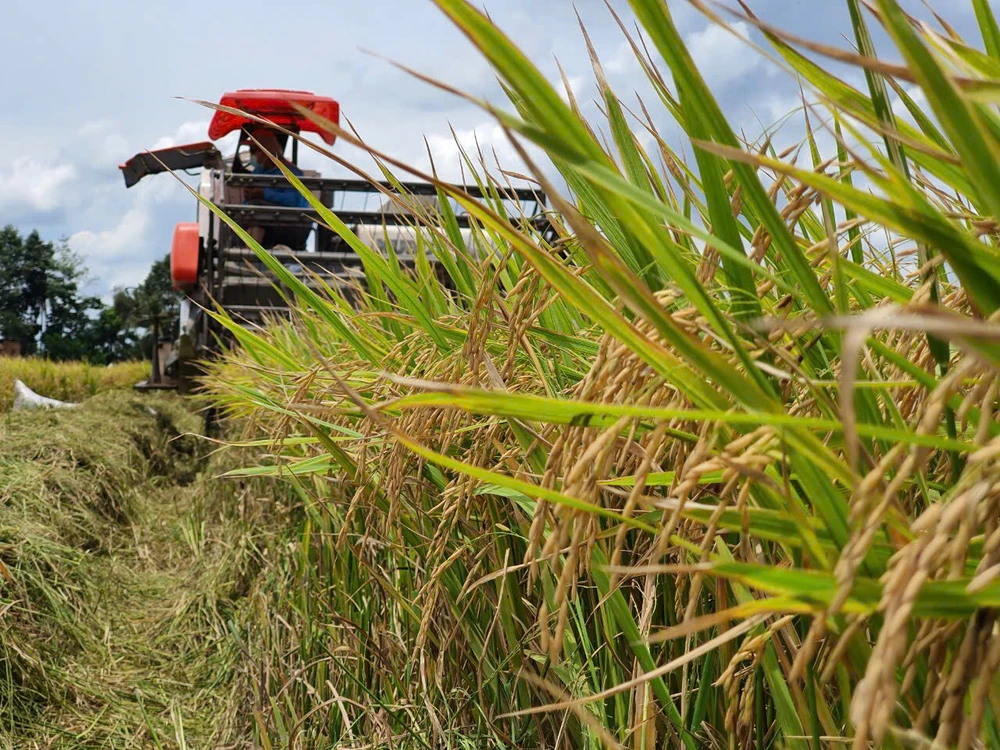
332 258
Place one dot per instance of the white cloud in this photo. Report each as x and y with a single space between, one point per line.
778 106
29 183
101 143
118 253
722 57
112 243
622 61
191 131
119 247
195 131
919 98
576 86
488 138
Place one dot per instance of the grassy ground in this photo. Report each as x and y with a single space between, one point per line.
122 575
65 381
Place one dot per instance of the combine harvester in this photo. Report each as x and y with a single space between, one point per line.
209 264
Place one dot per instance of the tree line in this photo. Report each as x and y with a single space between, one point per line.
43 307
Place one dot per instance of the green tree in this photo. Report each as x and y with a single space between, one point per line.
153 304
110 339
65 317
42 307
16 322
40 301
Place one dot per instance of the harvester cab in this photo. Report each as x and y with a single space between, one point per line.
211 265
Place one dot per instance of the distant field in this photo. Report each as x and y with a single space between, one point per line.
66 381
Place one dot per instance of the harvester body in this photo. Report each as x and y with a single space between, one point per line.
211 265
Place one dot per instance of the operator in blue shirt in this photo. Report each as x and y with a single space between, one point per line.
264 164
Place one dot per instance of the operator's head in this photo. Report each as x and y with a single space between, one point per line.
268 144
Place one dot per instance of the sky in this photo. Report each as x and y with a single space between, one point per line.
87 85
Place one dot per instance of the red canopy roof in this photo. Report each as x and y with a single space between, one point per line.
274 105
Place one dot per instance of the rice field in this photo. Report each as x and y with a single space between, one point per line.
712 465
708 458
65 381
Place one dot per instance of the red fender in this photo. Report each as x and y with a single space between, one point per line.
184 255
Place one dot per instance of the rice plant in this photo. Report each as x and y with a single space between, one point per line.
711 464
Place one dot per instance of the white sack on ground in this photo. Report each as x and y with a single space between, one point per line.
25 398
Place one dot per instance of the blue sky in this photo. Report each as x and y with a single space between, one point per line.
97 82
